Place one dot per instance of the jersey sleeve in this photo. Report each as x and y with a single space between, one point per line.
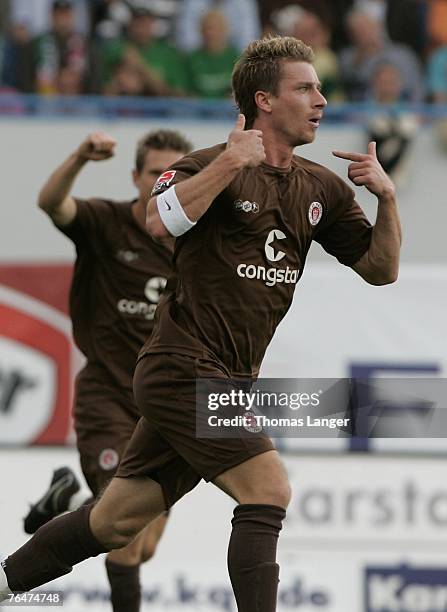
89 222
180 171
346 231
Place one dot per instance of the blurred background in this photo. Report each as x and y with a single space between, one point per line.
367 527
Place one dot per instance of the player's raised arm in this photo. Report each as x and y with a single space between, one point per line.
380 264
54 196
175 211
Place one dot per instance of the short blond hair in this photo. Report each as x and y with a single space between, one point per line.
259 69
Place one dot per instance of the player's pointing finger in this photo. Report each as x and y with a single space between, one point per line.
355 157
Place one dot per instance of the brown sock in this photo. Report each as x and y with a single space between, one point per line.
125 586
252 556
52 551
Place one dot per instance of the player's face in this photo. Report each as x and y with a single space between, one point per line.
298 106
156 163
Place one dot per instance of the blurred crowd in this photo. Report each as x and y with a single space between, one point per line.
385 51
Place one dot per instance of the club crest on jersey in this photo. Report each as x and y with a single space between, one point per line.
164 180
246 206
108 459
315 213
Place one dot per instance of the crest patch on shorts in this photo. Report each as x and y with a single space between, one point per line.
250 422
108 459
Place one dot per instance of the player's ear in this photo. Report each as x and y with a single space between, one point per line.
263 101
135 177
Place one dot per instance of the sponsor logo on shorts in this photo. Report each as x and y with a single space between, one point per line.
164 180
108 459
271 276
412 589
246 206
315 213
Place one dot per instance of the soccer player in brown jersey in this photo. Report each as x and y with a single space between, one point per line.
245 214
118 278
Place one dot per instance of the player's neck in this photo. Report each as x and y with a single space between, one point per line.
278 153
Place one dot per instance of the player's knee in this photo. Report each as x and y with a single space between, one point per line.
122 532
284 494
148 550
275 493
279 494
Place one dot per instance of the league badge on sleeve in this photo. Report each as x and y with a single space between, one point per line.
164 180
315 213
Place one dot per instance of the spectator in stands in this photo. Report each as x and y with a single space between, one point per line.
374 8
35 14
69 82
162 65
389 125
311 29
128 79
209 68
109 18
62 47
269 10
437 76
407 23
18 60
437 23
370 47
243 20
387 84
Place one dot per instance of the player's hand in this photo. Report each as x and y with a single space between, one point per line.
97 147
246 145
365 170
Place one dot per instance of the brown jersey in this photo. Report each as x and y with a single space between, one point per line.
119 275
235 271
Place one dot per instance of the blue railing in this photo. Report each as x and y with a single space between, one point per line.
180 108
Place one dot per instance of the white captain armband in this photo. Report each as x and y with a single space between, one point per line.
172 214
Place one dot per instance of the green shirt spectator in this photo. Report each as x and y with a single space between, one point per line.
164 66
210 74
209 68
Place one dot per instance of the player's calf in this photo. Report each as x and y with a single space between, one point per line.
252 565
126 507
52 551
261 487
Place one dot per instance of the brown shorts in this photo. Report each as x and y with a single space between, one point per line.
164 445
105 419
